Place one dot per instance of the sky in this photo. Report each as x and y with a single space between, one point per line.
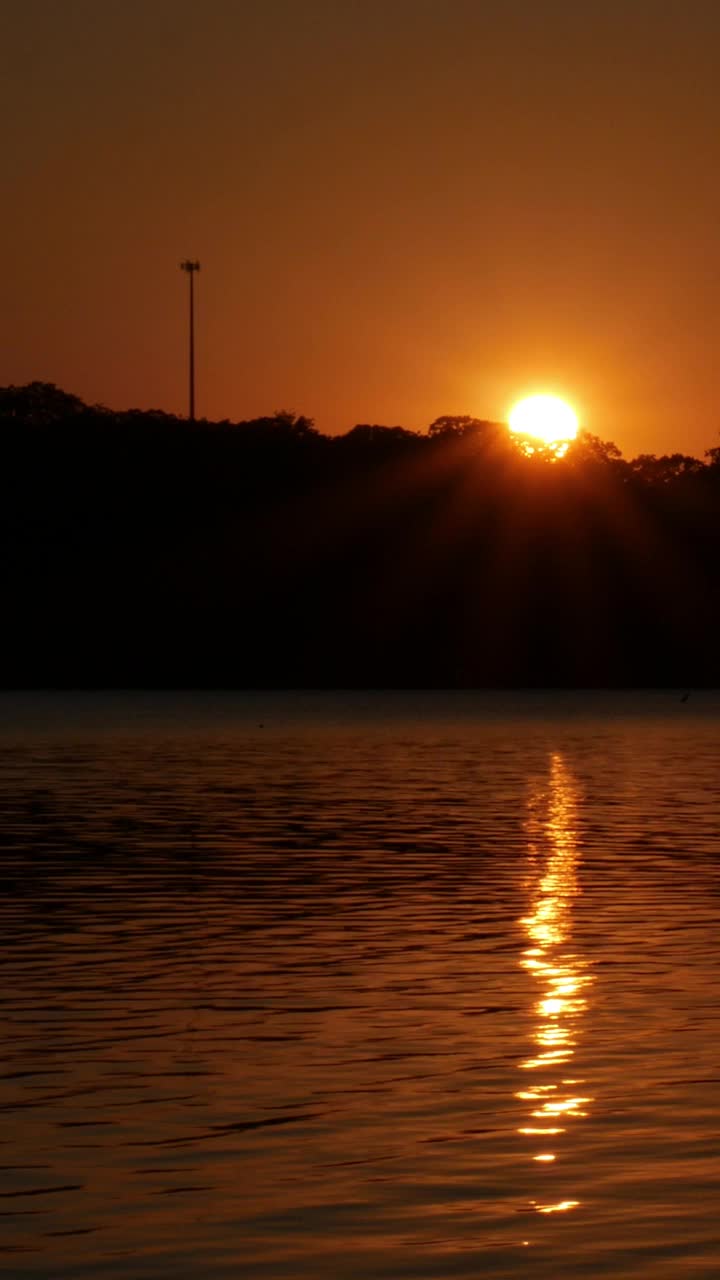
402 208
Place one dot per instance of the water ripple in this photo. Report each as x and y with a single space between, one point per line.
409 985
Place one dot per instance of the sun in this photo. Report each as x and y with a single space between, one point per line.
547 419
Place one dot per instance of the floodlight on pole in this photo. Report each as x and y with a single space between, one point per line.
191 267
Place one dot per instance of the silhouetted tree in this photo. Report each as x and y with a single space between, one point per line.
38 403
153 550
462 426
661 471
366 434
588 448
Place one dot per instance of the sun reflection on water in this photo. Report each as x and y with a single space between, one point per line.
560 972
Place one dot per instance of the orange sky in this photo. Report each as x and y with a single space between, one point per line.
403 208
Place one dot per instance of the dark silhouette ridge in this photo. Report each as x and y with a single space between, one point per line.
141 549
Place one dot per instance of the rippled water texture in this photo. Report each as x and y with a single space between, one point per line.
373 986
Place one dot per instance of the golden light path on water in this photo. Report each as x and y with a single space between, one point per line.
561 974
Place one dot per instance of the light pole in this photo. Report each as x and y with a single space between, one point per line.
191 267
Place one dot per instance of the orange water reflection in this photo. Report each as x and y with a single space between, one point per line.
556 1099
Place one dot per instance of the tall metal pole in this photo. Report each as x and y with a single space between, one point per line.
191 267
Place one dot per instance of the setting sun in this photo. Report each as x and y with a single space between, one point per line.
545 418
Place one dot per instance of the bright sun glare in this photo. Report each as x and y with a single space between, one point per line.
544 418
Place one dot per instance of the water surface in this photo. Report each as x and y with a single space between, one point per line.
360 986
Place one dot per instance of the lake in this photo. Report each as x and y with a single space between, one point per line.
360 985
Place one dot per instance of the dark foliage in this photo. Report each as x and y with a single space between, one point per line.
141 549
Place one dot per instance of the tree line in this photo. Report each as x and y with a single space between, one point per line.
143 549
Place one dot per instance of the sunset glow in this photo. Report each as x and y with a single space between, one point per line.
360 704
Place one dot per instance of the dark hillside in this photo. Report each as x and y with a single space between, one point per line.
139 549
